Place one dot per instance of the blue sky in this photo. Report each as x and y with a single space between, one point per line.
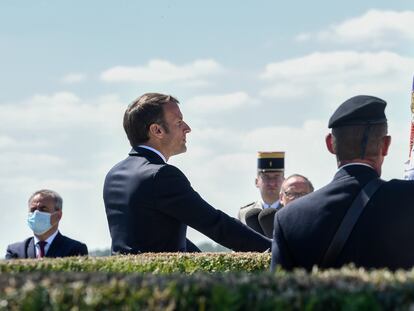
252 75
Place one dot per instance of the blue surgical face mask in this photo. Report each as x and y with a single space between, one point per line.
39 222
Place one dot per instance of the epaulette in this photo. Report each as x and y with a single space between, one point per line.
250 204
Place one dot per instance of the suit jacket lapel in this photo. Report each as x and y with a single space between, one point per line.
55 247
30 249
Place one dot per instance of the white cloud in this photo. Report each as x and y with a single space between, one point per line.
60 111
218 103
375 27
72 78
6 141
342 63
330 76
158 71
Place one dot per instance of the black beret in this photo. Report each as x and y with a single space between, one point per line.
359 110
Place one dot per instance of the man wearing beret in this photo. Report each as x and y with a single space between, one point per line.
270 176
149 203
356 218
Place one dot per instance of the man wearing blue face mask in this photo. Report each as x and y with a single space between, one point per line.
45 212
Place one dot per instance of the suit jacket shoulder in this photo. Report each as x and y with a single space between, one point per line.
248 205
62 246
304 229
23 249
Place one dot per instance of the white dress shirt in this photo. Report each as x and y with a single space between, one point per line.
265 205
48 241
154 150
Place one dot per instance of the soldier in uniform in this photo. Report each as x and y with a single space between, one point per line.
356 218
270 176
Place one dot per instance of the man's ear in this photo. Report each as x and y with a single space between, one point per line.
256 181
56 217
156 130
281 195
386 142
329 143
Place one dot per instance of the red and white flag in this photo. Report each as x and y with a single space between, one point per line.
409 165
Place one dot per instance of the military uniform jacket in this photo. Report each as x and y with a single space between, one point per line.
382 237
149 204
61 246
243 210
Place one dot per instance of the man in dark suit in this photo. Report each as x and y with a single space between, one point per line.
382 235
45 212
149 203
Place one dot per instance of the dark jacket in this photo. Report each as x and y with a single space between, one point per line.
150 203
61 246
382 237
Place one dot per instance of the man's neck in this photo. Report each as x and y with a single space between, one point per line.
369 162
46 235
269 201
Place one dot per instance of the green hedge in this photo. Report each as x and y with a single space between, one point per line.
113 284
160 263
346 289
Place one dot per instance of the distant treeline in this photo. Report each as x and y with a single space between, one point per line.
204 246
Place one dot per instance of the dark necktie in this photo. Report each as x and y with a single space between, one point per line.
42 245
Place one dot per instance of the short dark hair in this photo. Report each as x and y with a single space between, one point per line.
305 179
48 194
142 112
347 140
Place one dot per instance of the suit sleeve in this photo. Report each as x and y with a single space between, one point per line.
191 247
10 254
77 249
280 252
177 198
82 250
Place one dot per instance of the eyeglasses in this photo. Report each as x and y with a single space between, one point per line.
294 195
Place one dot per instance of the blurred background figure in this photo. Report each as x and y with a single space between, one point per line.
294 187
44 215
270 176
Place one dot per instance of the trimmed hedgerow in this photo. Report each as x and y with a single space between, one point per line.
345 289
237 281
150 262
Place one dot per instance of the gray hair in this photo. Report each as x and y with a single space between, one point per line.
305 179
49 194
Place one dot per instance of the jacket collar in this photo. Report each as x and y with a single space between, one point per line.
144 152
363 173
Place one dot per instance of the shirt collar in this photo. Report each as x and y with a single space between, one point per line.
49 240
265 205
354 163
154 150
